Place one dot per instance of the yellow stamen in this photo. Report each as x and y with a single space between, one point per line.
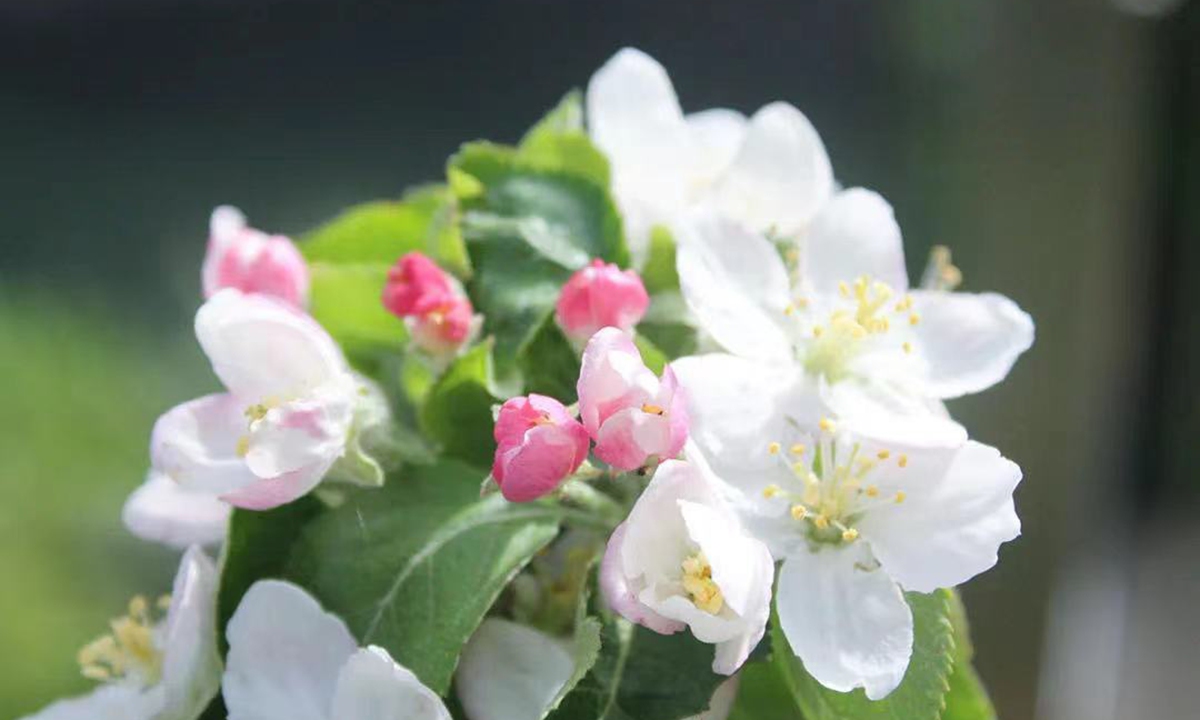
914 319
697 581
872 491
849 535
821 521
826 425
799 512
773 448
902 461
797 449
771 491
907 347
883 454
243 446
817 330
653 409
900 496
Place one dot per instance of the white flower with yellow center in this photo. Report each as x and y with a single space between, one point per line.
770 171
856 516
837 307
682 560
160 661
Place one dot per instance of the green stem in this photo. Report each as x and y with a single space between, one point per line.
578 493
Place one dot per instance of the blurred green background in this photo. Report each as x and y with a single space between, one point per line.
1051 143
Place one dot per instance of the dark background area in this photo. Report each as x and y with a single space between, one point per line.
1053 144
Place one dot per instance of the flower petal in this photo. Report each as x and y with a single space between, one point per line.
717 135
969 341
957 511
510 671
191 673
735 282
107 702
611 378
285 654
620 597
781 174
372 686
196 444
161 511
854 234
262 348
273 492
850 627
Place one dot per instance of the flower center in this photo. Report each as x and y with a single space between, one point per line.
865 311
832 491
130 650
697 581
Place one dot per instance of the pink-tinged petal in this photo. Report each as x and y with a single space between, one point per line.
197 445
538 446
674 399
160 510
251 261
601 296
612 378
628 439
412 283
268 493
618 595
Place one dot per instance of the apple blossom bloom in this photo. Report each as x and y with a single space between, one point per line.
438 314
286 418
249 260
538 445
770 172
856 514
844 314
632 415
598 296
162 511
682 559
160 662
290 660
510 671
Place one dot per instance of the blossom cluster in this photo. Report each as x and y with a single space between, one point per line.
794 464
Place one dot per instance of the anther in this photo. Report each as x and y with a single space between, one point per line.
883 454
872 491
826 425
653 409
797 449
773 448
902 461
907 347
914 319
771 491
817 330
849 535
799 512
821 522
900 496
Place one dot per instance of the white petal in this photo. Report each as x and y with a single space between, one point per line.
107 702
162 511
850 627
372 686
634 117
717 135
737 560
285 654
656 538
854 234
781 174
191 664
890 414
510 672
262 348
969 341
196 445
737 408
957 511
736 284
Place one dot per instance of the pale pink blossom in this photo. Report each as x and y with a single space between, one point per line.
538 445
249 260
632 415
598 296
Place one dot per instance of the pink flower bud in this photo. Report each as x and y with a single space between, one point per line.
415 286
443 325
631 414
600 296
538 445
251 261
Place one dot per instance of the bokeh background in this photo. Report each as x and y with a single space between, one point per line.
1053 144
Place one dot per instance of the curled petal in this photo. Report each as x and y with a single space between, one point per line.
510 671
373 686
197 445
162 511
854 234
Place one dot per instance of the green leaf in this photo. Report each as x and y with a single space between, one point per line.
549 363
529 222
558 143
414 566
378 233
458 408
346 300
585 651
762 694
967 698
659 275
920 696
256 547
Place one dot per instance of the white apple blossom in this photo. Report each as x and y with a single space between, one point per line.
843 313
856 514
770 171
154 667
162 511
287 418
682 559
510 671
290 660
